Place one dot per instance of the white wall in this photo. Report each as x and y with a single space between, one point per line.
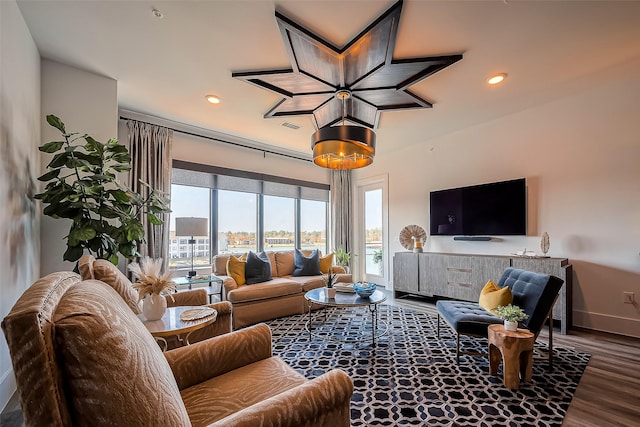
198 150
19 166
86 103
581 157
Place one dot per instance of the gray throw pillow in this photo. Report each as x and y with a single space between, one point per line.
306 266
258 268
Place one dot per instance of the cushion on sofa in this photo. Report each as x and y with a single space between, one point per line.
284 263
272 261
274 288
257 268
235 269
308 282
326 262
492 296
306 265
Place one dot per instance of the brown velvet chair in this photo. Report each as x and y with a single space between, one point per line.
82 357
105 271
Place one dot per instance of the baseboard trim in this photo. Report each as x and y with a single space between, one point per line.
607 323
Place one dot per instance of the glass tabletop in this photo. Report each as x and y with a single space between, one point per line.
344 299
196 280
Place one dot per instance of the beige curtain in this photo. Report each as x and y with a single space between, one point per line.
150 148
341 200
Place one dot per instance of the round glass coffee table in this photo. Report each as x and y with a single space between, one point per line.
345 300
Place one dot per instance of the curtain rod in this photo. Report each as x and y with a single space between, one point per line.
237 144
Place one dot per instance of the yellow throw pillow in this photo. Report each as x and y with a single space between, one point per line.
493 295
325 263
235 269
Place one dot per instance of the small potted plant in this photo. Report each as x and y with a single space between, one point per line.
329 280
511 314
343 258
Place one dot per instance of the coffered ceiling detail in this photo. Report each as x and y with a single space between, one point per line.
364 66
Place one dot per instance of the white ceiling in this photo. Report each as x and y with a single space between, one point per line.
165 67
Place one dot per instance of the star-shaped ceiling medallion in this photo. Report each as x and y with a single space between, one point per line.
364 67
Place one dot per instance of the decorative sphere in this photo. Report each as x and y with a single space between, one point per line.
364 289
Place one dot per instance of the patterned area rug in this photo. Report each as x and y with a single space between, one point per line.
410 377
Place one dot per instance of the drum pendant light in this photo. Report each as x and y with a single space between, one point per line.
344 146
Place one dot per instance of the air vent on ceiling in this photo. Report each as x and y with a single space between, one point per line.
290 125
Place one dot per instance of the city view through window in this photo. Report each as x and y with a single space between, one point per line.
238 223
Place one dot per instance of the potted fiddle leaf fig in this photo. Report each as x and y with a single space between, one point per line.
82 186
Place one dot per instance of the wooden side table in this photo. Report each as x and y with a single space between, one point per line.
516 351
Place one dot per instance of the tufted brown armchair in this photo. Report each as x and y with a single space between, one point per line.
82 357
105 271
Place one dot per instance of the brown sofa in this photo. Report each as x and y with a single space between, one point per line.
279 297
82 357
105 271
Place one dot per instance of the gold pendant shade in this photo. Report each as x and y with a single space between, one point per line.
343 147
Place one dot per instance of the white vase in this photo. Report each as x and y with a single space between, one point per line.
154 306
330 292
510 326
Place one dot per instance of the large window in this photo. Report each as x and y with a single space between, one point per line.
279 223
313 225
188 201
246 211
237 221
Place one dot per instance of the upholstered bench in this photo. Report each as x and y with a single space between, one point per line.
533 292
466 318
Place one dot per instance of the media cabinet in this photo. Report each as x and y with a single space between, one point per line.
462 276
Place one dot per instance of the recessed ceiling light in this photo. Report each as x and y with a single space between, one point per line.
157 13
496 79
213 99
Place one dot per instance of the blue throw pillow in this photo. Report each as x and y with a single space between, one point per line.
258 268
306 266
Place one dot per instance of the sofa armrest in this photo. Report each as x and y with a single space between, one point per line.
228 283
206 359
324 400
338 269
191 297
222 325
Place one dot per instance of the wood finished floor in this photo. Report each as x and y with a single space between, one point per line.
609 391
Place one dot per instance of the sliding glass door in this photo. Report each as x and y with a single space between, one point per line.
372 233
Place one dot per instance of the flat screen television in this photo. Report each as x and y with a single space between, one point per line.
498 209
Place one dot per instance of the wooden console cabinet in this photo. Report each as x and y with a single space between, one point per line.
462 276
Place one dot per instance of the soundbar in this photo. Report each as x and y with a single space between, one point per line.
473 238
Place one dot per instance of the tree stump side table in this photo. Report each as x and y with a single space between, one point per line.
516 351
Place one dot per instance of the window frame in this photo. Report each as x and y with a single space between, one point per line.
208 176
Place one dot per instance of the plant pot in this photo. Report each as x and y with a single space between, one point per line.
330 293
154 306
510 326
